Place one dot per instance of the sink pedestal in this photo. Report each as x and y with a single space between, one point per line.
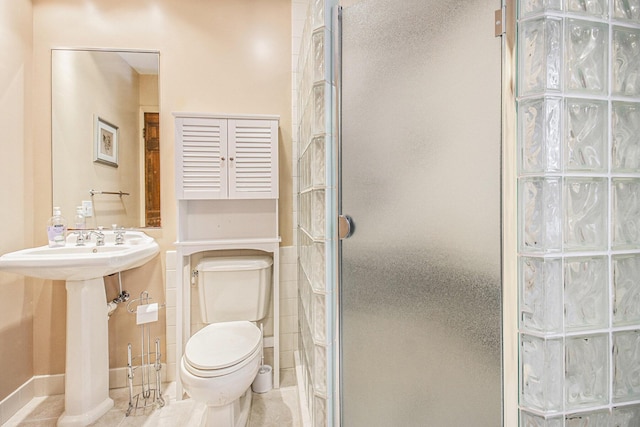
86 393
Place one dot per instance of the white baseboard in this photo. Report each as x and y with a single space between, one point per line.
50 385
16 400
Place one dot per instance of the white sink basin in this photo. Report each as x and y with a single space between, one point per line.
73 262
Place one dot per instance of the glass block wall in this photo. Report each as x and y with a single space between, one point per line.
316 209
579 212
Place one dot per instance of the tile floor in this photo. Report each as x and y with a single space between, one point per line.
277 408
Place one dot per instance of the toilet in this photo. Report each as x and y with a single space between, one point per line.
222 359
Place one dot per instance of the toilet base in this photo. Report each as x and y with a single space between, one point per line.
234 414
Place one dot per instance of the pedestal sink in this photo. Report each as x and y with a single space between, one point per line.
83 267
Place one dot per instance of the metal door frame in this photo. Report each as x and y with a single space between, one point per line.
336 19
509 220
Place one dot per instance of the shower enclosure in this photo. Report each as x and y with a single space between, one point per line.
420 288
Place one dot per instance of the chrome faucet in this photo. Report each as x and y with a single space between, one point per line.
99 237
120 236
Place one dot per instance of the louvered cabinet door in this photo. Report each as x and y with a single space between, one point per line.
253 159
202 163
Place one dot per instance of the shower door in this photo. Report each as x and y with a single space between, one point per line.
420 287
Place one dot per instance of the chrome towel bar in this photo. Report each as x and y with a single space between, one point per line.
117 193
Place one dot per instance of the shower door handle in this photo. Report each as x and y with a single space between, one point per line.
346 226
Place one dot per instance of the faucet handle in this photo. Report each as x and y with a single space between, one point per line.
120 236
80 239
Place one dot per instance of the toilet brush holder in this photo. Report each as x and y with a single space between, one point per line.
264 380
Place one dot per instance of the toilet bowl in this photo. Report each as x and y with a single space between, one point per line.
219 364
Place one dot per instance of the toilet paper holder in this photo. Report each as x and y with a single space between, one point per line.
149 359
135 305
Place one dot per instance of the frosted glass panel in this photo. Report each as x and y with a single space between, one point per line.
626 213
585 223
529 7
586 55
626 366
627 10
421 290
626 289
626 137
587 371
540 134
541 296
597 8
586 284
539 211
626 416
531 420
541 378
541 47
588 419
626 64
586 135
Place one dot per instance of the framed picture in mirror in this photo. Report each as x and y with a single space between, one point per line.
106 143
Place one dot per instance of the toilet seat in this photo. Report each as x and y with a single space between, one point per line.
222 348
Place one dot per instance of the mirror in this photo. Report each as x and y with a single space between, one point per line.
105 136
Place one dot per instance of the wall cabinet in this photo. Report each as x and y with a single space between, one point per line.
226 157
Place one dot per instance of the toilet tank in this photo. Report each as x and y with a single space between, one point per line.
234 288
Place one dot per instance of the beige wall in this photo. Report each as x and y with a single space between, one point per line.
149 95
215 56
16 191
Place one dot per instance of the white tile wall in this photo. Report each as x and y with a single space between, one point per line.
170 298
288 305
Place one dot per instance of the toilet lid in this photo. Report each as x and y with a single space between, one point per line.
221 345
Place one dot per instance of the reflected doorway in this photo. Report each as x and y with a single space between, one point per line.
152 169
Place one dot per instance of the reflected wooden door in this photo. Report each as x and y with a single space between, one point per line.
152 169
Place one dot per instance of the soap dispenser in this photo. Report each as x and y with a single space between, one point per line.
57 229
79 223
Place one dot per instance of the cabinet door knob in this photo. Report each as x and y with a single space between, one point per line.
222 159
231 159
